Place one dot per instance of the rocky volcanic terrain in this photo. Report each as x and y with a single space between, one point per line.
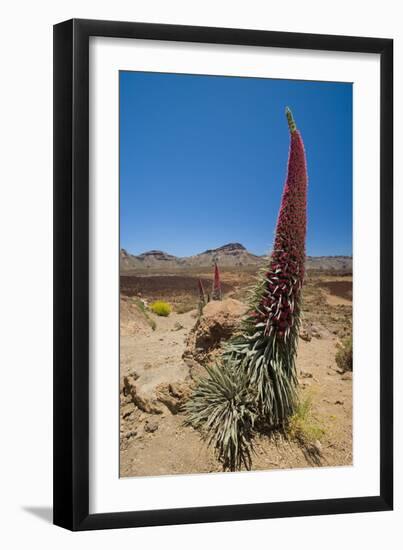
161 359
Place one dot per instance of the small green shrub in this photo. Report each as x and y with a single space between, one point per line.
161 308
302 426
344 355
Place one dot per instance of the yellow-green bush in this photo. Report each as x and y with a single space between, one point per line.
161 308
302 425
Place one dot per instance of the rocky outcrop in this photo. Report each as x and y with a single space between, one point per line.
143 401
174 395
220 321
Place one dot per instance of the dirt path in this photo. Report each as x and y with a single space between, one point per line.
155 444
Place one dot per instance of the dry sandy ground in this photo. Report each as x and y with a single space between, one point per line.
155 444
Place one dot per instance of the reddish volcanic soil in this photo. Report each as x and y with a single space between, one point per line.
160 286
342 288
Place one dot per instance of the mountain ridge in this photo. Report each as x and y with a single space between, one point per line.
227 255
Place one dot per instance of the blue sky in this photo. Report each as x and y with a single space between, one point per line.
203 161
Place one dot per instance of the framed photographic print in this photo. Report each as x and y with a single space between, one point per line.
223 321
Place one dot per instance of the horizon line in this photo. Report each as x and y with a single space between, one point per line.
122 248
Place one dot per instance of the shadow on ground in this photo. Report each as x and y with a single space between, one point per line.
45 513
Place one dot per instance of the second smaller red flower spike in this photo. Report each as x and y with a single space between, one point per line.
216 293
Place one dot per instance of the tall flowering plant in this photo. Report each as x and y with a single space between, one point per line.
267 349
256 380
279 303
216 291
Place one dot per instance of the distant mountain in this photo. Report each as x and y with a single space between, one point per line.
147 260
330 263
229 255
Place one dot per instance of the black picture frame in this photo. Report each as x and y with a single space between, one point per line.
71 274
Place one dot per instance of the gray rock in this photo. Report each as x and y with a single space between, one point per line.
305 374
305 334
317 445
151 426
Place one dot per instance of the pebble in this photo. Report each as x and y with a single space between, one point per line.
151 426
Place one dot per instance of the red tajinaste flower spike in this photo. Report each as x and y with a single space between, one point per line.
216 292
287 265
